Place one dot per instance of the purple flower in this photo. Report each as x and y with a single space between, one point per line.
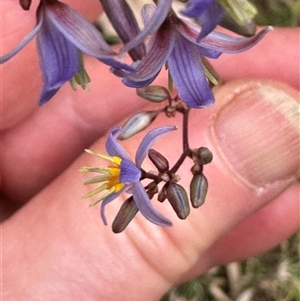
176 42
62 33
208 13
124 175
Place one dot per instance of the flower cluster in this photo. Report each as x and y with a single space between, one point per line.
181 40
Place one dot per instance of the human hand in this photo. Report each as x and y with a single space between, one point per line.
56 247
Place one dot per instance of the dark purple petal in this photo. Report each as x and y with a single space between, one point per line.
158 18
59 59
209 19
159 48
148 141
143 203
24 42
227 44
113 147
82 34
125 24
196 7
188 74
129 173
107 200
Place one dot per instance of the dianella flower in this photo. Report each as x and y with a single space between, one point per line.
180 44
124 175
62 34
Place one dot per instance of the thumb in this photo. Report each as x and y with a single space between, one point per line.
254 135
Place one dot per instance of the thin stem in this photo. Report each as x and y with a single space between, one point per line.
185 143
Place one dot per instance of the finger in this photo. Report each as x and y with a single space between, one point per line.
27 88
154 257
57 132
21 77
16 140
260 232
274 57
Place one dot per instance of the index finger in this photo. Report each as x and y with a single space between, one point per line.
21 77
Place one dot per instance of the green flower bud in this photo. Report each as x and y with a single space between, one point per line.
152 189
153 93
210 72
246 29
81 78
204 156
160 162
198 190
126 213
242 11
137 123
178 198
162 195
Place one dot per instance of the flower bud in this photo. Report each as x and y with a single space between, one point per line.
153 93
25 4
210 73
81 77
152 189
137 123
160 162
204 155
198 190
126 213
241 12
247 29
178 198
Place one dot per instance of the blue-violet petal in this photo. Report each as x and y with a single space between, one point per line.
148 141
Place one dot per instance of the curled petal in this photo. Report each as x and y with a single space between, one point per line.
143 203
220 42
148 141
161 12
188 74
159 48
113 147
224 43
192 32
59 59
24 42
82 34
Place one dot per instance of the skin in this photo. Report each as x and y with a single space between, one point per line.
54 247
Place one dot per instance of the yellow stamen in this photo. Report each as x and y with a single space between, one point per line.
113 159
110 176
109 192
95 191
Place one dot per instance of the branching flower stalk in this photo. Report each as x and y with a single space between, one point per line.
182 41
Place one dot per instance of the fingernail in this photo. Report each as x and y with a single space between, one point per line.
256 131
